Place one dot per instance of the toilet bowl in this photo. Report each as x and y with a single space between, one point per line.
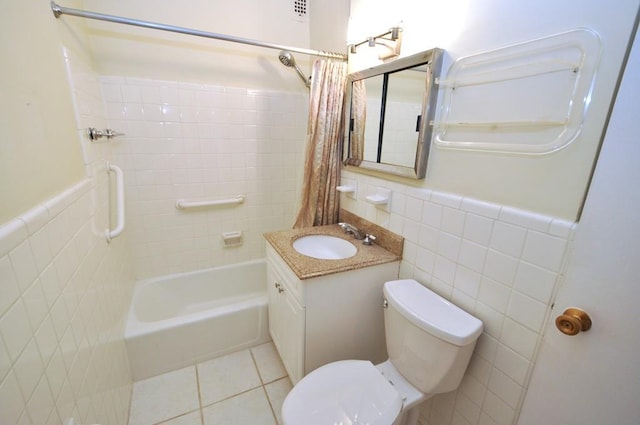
429 341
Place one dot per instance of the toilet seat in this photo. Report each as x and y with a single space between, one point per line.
349 392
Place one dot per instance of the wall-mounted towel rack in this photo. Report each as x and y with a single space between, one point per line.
109 233
182 204
529 98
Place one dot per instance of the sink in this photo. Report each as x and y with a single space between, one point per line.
324 247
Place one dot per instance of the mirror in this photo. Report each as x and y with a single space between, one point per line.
389 112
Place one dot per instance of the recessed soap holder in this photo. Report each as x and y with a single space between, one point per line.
381 199
349 187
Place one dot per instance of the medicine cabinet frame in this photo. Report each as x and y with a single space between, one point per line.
430 62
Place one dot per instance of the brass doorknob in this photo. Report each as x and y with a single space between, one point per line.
572 321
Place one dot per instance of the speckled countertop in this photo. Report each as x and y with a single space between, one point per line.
367 255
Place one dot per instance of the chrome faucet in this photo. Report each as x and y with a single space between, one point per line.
348 228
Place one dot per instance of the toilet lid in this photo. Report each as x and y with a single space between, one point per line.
348 392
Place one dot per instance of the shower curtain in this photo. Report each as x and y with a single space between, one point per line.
359 115
320 200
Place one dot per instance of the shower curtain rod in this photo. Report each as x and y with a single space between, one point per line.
61 10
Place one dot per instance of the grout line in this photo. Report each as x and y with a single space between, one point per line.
273 412
199 394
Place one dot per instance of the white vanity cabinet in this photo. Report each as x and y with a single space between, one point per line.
327 318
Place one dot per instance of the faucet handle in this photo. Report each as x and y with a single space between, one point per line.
368 239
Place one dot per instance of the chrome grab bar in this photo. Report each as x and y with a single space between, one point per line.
109 233
182 204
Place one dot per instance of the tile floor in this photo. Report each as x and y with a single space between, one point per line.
246 387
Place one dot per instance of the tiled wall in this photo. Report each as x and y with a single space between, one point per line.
63 297
64 294
191 141
499 263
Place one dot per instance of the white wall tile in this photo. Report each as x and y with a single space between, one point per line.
432 214
526 219
12 402
472 255
512 364
519 338
12 233
498 410
494 294
527 311
468 281
9 289
482 208
508 239
535 282
505 388
448 246
15 329
478 229
544 250
446 199
500 267
5 361
24 265
505 273
452 221
28 369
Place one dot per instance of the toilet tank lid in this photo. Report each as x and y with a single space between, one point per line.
431 312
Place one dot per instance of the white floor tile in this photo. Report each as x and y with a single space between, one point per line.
227 390
164 397
270 366
248 408
227 376
193 418
276 392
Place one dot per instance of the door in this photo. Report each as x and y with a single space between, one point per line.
593 378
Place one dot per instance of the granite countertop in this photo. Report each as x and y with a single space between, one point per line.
307 267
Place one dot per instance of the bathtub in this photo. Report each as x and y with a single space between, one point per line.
182 319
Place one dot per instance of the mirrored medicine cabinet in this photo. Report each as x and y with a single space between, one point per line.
389 112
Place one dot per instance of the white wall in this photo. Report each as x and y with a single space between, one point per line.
145 53
39 153
551 184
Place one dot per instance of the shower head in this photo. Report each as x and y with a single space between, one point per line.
287 59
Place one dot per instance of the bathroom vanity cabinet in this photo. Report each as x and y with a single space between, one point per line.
326 318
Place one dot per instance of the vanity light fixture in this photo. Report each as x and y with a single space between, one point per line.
391 40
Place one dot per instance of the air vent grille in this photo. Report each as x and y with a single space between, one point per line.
300 8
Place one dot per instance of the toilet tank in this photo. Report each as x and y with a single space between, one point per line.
429 340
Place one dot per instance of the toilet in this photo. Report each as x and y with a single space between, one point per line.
429 342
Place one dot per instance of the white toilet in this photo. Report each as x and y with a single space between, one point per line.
429 341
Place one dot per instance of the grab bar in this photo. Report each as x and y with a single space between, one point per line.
182 204
110 234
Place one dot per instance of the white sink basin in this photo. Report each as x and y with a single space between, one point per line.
324 247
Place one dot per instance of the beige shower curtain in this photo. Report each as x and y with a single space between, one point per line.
359 115
320 200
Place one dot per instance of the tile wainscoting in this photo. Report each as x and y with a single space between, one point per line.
499 263
64 293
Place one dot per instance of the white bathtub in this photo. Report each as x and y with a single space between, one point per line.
179 320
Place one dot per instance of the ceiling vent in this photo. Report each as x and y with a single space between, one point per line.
300 10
